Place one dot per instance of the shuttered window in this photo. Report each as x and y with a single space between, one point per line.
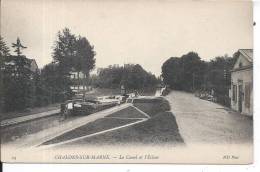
234 94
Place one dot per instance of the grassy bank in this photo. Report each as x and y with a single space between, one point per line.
152 106
129 112
161 129
91 128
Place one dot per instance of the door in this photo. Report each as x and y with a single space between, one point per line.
240 97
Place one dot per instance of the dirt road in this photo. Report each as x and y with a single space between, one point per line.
201 121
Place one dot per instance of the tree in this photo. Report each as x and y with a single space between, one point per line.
64 50
190 73
184 73
172 72
219 77
73 53
17 83
84 60
18 46
85 54
53 87
4 50
192 67
132 76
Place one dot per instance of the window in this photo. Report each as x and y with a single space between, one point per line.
234 95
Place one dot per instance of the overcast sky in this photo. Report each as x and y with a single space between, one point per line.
144 32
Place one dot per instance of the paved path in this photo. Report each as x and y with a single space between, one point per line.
29 111
201 121
17 120
36 139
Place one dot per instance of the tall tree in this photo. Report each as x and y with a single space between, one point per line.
84 60
189 73
184 73
17 81
218 73
172 72
18 47
85 54
73 53
4 50
64 49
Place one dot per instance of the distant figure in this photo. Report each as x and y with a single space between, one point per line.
68 107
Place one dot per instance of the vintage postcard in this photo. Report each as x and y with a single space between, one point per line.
120 81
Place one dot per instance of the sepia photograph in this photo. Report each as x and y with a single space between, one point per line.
120 81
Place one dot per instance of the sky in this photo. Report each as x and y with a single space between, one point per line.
131 31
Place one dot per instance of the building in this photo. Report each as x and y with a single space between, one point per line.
33 66
241 92
11 63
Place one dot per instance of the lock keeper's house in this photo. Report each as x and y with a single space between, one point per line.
241 92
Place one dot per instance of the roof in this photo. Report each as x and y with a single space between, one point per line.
248 53
12 61
34 61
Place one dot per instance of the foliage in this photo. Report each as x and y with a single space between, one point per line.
4 50
18 46
190 73
22 88
53 87
72 53
17 83
16 79
132 76
64 51
183 73
84 60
